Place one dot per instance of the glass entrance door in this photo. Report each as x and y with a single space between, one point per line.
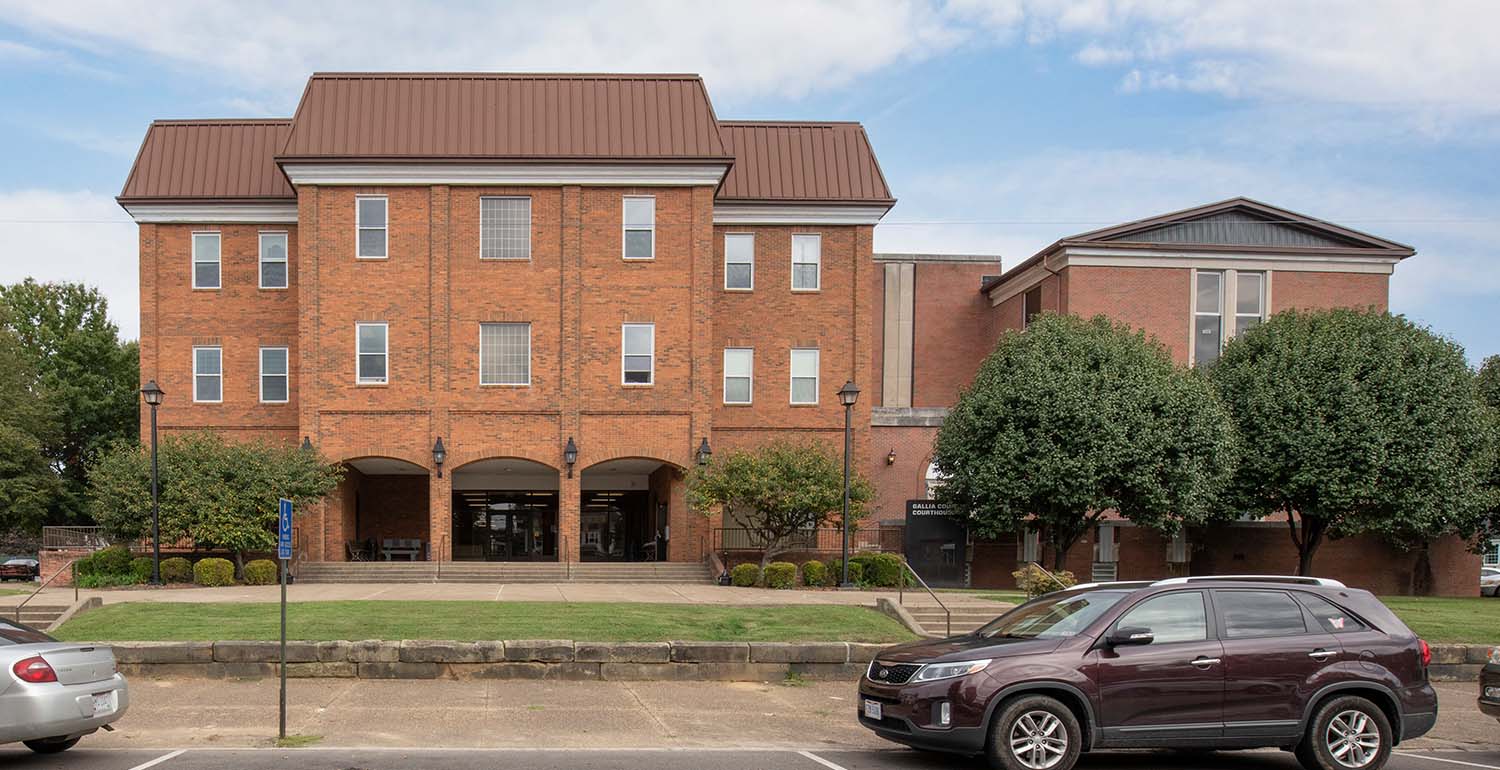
505 526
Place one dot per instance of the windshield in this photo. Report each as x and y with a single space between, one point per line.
1052 617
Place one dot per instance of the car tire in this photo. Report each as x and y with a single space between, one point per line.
51 745
1346 733
1034 732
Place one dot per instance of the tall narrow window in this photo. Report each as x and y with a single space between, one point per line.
205 260
505 354
370 222
738 364
208 375
739 261
1208 317
807 258
1249 300
640 227
371 354
505 228
274 377
805 376
1031 306
273 260
638 354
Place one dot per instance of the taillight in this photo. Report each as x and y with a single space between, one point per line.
1426 652
34 670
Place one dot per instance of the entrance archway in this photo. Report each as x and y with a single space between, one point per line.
505 509
624 509
383 511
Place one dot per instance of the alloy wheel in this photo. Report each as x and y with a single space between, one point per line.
1038 740
1353 739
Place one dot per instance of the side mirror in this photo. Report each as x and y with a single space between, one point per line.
1127 635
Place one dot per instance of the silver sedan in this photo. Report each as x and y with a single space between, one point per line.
53 693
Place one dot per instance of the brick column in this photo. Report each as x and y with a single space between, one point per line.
439 330
570 359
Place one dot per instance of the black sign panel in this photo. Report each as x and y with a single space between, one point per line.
936 543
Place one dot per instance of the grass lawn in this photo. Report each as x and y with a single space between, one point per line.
1468 620
469 621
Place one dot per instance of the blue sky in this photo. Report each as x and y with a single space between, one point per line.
1000 124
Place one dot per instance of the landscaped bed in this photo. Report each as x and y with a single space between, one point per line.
472 621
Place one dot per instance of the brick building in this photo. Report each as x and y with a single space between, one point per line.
517 308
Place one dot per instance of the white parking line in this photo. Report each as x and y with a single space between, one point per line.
820 760
159 760
1448 761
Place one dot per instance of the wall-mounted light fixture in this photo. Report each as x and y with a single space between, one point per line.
306 444
439 455
704 452
570 455
890 458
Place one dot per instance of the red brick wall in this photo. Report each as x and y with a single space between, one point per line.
1326 290
1156 300
1362 562
906 479
948 330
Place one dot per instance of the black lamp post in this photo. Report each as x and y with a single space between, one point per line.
439 454
704 452
307 444
847 396
570 455
154 395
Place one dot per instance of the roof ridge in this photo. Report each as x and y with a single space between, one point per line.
480 75
791 123
221 121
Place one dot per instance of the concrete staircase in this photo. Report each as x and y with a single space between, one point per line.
502 572
40 616
966 617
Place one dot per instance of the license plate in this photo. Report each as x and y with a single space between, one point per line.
104 703
872 710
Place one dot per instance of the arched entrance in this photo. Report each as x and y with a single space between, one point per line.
624 512
505 509
383 511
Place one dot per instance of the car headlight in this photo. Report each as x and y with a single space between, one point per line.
1495 655
934 671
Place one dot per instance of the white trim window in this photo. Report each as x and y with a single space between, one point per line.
739 261
807 262
504 227
1492 554
208 374
639 227
932 480
371 353
505 354
275 375
206 260
1249 300
1208 316
638 354
739 366
273 260
804 366
371 227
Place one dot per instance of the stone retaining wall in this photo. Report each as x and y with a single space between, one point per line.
1458 662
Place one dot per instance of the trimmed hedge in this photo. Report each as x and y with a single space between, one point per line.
836 572
781 574
744 575
213 572
176 570
107 581
114 560
261 572
815 574
882 570
140 568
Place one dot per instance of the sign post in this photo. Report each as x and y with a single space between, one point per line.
284 553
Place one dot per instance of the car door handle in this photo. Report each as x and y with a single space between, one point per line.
1320 654
1204 662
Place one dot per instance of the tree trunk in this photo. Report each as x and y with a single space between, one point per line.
1421 574
239 564
1307 540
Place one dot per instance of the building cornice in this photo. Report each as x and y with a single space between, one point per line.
797 214
212 213
887 256
596 174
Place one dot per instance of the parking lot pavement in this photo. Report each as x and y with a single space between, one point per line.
663 759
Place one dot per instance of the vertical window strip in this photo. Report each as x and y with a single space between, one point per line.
807 258
1208 316
504 228
804 366
208 375
739 365
639 219
739 261
372 354
274 375
1249 300
505 354
206 260
273 260
371 223
638 354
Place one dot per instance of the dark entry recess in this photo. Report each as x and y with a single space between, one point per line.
936 544
505 526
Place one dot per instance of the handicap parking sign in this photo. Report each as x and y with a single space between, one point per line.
284 530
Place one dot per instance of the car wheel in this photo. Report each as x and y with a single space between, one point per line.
1034 732
1346 733
51 745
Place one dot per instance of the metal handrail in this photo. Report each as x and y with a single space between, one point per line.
1061 585
901 591
438 557
563 554
48 582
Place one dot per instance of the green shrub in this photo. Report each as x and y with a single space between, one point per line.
781 574
814 573
114 560
745 575
836 572
97 580
879 569
213 572
1035 582
140 568
261 572
176 570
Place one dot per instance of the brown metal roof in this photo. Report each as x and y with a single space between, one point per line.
809 162
206 160
467 116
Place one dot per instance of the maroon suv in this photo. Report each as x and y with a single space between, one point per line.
1304 664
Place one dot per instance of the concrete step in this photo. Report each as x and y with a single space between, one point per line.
500 572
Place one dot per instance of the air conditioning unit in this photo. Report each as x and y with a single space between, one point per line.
1106 551
1030 545
1179 552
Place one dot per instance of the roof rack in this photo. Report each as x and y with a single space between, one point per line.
1297 579
1110 584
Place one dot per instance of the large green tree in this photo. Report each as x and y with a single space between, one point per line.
87 375
28 485
1074 418
1355 422
775 492
221 495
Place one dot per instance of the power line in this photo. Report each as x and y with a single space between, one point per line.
888 223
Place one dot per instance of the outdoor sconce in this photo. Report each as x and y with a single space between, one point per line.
704 452
890 458
439 454
306 444
570 455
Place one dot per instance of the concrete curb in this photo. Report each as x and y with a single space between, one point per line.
78 608
898 612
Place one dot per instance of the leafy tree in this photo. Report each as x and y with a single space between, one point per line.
219 494
776 491
28 485
85 372
1355 422
1074 418
1489 382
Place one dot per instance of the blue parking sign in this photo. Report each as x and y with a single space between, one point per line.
284 530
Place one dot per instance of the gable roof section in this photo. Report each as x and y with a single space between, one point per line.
1238 225
203 161
801 162
397 117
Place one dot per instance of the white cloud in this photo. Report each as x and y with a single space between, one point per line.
77 236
